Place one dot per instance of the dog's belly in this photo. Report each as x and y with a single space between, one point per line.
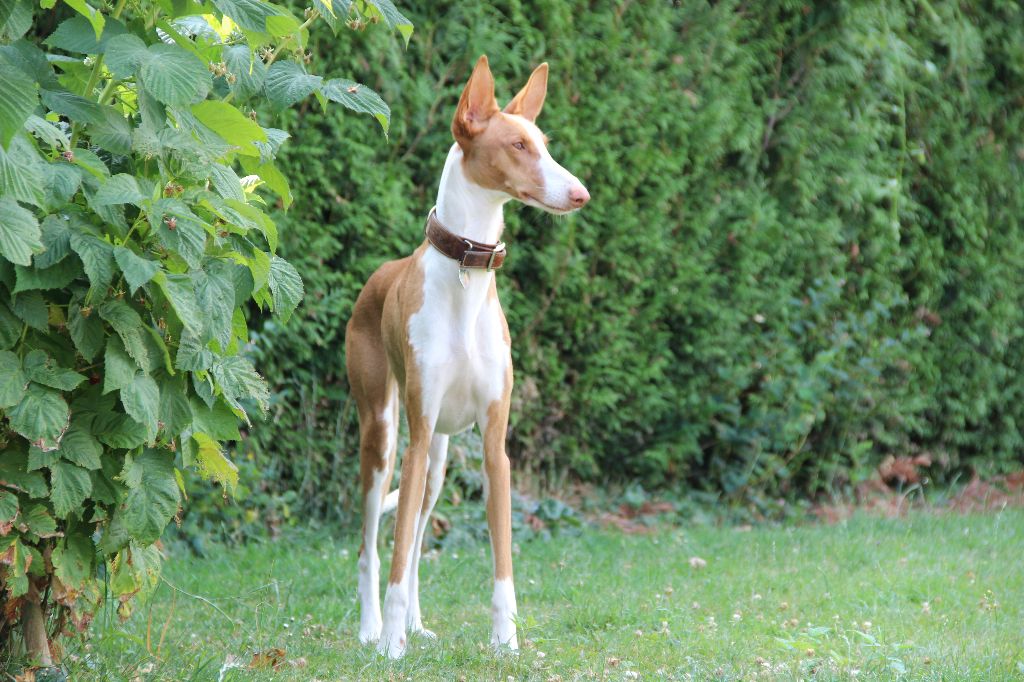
457 411
463 390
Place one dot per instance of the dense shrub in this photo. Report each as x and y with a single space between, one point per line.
803 250
129 249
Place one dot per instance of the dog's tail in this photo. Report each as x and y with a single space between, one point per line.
390 502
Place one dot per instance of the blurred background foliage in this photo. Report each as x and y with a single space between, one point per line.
803 253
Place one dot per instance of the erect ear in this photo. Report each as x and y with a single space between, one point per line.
477 104
530 99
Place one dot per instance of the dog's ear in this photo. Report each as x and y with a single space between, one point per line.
477 104
530 99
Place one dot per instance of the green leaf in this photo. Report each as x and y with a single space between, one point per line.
47 131
175 411
94 16
19 233
21 172
81 447
256 217
259 265
73 560
70 485
359 98
275 180
115 535
114 133
119 189
285 286
77 35
187 237
178 291
118 368
74 35
238 380
41 459
247 68
19 100
231 124
96 258
19 22
15 555
60 182
39 522
287 83
14 474
40 416
56 238
193 355
137 270
226 182
393 18
141 400
128 325
152 495
174 76
124 55
218 421
44 370
10 327
119 431
12 380
332 11
8 511
55 277
104 488
93 164
215 295
86 331
31 308
159 354
212 463
77 108
251 15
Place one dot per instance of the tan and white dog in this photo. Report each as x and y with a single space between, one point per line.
429 329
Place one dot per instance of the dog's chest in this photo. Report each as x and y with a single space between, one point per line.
459 345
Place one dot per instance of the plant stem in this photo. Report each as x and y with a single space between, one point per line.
94 78
314 15
34 628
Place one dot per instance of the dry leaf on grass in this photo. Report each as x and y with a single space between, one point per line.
272 658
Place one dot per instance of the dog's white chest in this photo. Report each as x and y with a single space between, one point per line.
459 345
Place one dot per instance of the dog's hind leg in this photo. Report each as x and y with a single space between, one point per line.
438 456
377 443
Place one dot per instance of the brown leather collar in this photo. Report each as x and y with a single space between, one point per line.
469 253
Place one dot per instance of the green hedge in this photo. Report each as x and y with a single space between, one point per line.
803 251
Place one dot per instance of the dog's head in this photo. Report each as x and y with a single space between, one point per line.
504 150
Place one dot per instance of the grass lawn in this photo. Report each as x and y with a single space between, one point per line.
929 597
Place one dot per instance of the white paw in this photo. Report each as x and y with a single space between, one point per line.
505 638
392 644
369 632
418 629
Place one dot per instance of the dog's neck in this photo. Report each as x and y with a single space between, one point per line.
464 207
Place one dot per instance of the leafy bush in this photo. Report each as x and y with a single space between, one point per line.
130 247
802 252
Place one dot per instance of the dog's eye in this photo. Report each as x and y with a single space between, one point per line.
519 145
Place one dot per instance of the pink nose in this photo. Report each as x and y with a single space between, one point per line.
579 196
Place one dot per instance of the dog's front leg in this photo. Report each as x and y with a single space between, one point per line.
410 499
499 520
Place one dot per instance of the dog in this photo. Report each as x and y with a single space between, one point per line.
429 329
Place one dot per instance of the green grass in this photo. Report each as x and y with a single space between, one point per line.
925 598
